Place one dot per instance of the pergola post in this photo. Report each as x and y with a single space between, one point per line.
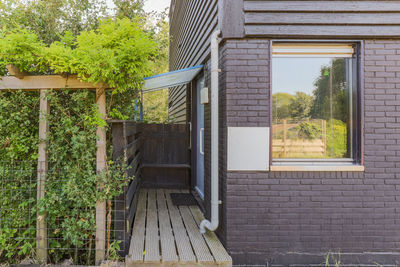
100 166
41 226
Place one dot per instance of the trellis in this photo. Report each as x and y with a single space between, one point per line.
56 82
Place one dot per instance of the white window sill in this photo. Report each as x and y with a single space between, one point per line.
317 168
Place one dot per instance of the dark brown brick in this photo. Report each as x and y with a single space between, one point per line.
274 213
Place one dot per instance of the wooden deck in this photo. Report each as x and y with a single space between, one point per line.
166 235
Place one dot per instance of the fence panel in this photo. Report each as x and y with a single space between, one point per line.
127 145
166 155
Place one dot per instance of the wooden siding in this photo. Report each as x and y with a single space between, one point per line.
347 19
191 25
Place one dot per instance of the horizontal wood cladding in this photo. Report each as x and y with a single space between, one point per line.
177 104
191 25
326 5
322 18
190 28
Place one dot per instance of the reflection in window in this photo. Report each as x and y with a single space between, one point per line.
312 106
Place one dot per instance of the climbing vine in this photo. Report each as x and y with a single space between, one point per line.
118 53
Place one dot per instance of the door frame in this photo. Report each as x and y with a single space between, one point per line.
194 135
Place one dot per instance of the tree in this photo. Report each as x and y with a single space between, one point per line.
50 19
129 8
300 106
281 105
156 103
330 92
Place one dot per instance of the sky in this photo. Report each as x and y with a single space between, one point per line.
150 5
290 75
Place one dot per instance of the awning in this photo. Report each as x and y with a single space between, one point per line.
170 79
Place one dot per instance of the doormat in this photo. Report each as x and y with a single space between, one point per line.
183 199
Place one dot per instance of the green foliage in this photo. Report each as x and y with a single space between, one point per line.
72 182
156 107
18 142
308 130
17 228
156 103
281 103
113 251
73 36
333 260
71 185
7 248
22 49
330 92
67 37
300 105
19 125
118 53
336 139
129 8
50 19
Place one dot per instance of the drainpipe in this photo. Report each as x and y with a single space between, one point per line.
213 225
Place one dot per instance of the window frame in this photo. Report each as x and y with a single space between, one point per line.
357 159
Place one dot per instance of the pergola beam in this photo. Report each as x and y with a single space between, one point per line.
38 82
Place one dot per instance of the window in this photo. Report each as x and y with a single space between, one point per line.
315 109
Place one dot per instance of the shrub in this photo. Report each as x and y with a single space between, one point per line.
336 138
308 130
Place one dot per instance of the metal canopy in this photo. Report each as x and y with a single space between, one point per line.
170 79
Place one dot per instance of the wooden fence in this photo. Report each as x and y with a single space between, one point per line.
284 147
157 155
166 156
127 144
295 147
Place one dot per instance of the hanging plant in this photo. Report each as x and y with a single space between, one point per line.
21 50
118 53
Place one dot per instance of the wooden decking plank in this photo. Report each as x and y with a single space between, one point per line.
199 245
138 232
152 248
217 249
185 251
167 240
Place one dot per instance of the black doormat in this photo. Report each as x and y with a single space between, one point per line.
183 199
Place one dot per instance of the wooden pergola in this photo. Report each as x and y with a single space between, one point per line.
56 82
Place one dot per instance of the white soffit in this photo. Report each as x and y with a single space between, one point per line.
312 50
248 148
170 79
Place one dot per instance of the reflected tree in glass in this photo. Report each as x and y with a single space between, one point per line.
312 119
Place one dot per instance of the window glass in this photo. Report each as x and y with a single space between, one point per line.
313 105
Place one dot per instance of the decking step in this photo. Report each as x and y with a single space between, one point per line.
165 235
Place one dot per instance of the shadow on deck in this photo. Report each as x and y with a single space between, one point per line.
167 235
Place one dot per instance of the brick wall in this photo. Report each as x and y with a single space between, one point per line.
288 218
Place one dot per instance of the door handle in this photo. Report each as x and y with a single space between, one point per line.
201 141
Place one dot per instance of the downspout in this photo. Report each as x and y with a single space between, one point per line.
213 225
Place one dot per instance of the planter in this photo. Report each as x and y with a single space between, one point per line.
14 71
